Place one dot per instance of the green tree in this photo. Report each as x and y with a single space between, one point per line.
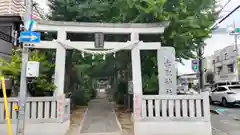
40 85
189 22
210 77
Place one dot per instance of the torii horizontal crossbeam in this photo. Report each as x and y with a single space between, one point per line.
145 28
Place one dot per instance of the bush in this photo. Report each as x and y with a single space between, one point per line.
40 86
122 89
93 93
150 92
81 97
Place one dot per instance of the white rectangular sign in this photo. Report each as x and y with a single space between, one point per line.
166 70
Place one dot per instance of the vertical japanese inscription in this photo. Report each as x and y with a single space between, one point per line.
168 74
137 105
166 70
99 40
60 100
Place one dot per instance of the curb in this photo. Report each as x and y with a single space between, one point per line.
83 119
118 122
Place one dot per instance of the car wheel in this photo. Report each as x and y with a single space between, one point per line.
210 101
224 102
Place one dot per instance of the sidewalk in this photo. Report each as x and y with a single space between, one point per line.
100 117
39 129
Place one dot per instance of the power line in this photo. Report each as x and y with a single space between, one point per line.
35 5
224 5
224 18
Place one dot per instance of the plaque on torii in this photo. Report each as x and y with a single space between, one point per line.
99 40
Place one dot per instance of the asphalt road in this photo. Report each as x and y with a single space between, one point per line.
227 122
232 112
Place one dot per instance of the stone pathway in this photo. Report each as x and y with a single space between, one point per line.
100 117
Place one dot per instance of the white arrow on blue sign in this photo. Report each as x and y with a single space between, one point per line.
30 37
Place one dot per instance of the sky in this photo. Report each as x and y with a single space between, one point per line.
216 42
43 4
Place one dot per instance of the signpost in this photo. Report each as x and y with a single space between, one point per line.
195 65
237 30
26 37
30 37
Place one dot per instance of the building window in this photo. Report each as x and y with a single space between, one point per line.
219 69
230 68
6 29
225 56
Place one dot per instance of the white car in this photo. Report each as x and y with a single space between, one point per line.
226 95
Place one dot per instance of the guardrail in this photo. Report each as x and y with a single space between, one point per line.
39 109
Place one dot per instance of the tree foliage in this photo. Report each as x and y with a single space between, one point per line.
189 22
210 77
39 85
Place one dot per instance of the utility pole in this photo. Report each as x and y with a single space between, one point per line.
235 38
200 68
23 81
236 33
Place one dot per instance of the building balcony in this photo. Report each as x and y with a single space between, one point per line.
226 77
17 8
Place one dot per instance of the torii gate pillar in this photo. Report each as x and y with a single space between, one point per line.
136 76
60 65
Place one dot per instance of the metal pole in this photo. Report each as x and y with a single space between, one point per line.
236 45
200 54
235 38
23 81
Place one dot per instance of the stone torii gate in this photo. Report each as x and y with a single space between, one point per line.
186 114
61 44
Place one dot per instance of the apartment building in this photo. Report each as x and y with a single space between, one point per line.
11 13
17 8
225 65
